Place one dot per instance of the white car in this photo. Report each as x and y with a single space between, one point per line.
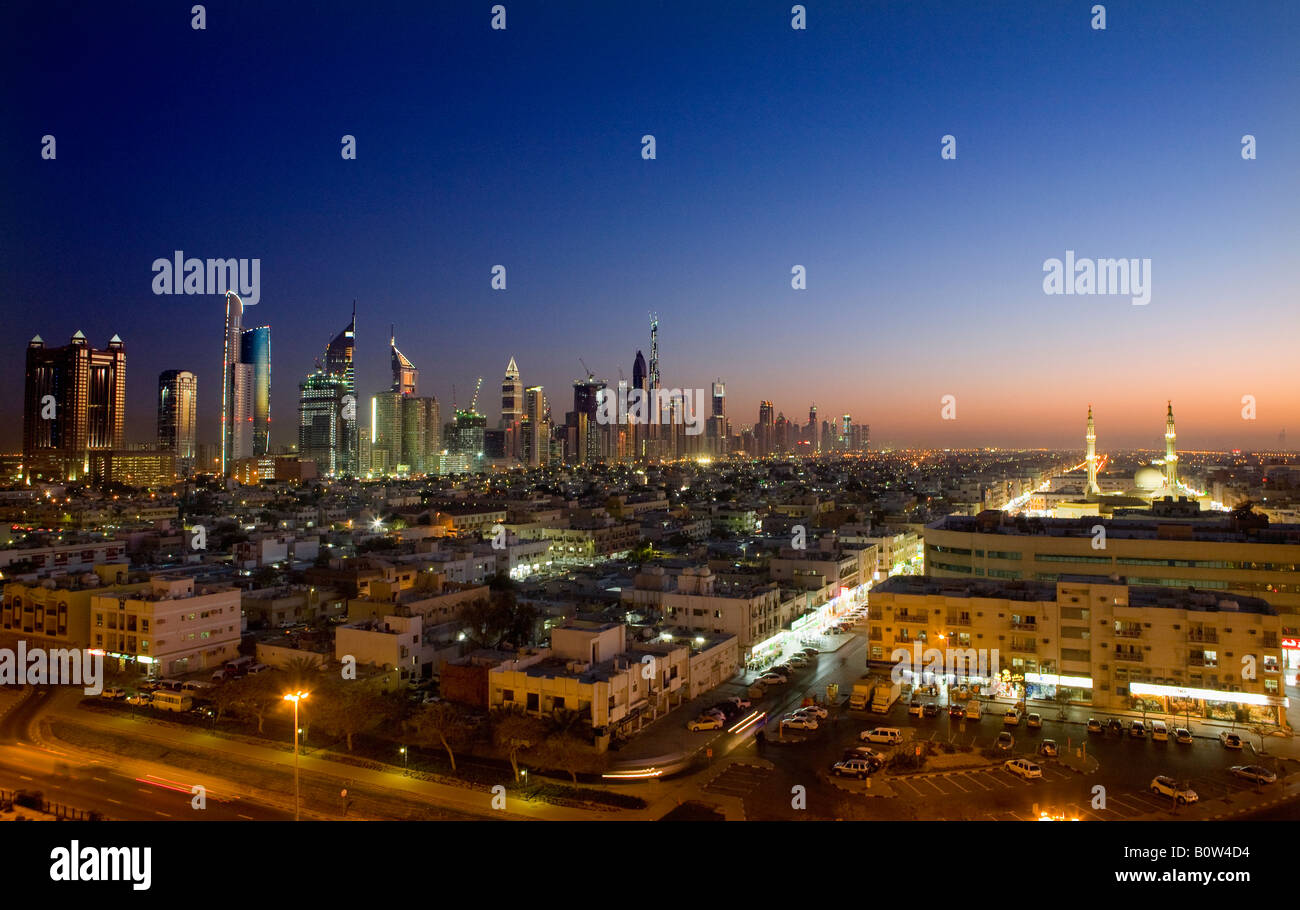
113 693
1023 768
1011 718
1183 735
816 711
772 679
799 722
707 722
743 704
1253 773
1167 786
1034 721
1230 740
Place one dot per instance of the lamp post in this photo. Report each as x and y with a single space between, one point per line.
404 765
295 697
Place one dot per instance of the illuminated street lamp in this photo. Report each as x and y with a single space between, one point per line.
295 697
404 764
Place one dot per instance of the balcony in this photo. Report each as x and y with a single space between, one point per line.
1136 657
912 617
1128 633
1202 662
1025 626
958 621
1210 636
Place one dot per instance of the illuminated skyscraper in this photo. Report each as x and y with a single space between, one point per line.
321 425
512 396
536 427
255 350
405 375
74 402
236 390
339 358
178 416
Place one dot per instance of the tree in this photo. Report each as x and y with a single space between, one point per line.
441 723
514 732
255 696
348 707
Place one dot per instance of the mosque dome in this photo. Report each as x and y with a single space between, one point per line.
1149 479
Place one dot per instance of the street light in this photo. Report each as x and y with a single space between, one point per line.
403 751
295 697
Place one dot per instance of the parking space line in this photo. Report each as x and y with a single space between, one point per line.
975 779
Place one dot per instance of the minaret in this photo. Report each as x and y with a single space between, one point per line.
1171 453
1091 438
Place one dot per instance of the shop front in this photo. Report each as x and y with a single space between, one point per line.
1208 704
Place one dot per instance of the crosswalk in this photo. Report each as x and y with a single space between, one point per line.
738 780
981 780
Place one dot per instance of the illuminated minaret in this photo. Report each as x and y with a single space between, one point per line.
1091 439
1171 453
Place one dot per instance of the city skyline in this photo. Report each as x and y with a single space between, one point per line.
924 275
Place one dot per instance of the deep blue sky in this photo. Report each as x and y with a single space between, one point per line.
775 147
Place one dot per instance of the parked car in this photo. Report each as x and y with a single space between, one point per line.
853 767
866 753
930 710
728 709
1011 718
113 693
1183 735
139 698
1167 786
799 722
1159 731
743 704
956 710
714 712
1005 741
1048 748
915 708
816 711
773 679
707 722
1137 730
1230 740
1114 726
1254 774
781 670
1022 767
810 653
1094 726
798 661
888 736
1034 722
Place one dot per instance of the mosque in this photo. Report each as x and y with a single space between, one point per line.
1153 486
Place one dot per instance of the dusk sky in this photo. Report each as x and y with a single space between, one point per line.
775 147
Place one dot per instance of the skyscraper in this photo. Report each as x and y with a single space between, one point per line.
512 396
810 431
321 423
178 416
255 350
339 357
405 375
536 427
74 402
640 381
237 411
764 430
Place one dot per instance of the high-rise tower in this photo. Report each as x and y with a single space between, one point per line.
236 390
1091 440
1171 451
74 402
255 351
339 363
405 375
178 415
512 396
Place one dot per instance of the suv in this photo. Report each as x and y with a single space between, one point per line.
930 710
956 710
1137 730
853 767
1023 768
885 735
1114 726
1167 786
915 708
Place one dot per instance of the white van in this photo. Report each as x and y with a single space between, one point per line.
974 709
172 701
1159 732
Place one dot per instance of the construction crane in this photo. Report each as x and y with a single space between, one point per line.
590 375
473 402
